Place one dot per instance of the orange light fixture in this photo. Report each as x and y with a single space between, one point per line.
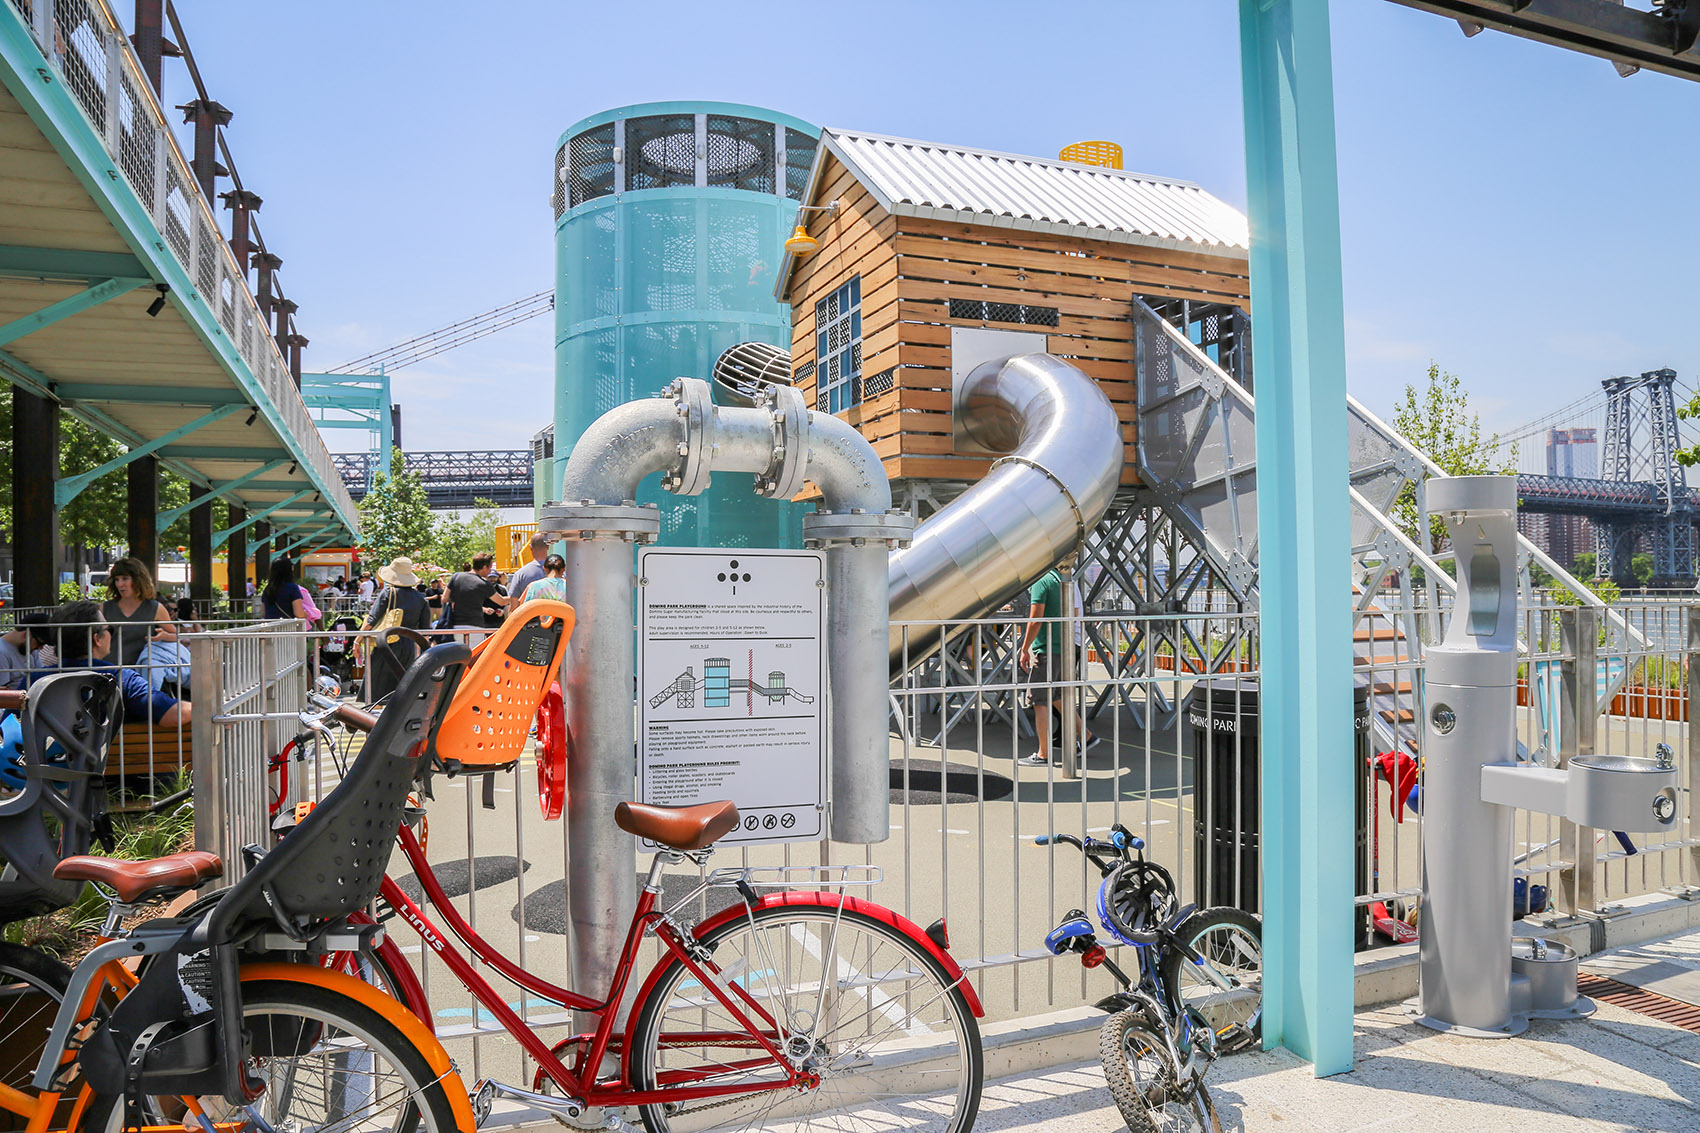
801 243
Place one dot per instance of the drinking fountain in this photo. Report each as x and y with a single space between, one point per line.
1472 782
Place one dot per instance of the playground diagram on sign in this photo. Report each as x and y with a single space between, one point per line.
720 689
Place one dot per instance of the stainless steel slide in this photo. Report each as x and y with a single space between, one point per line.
1064 446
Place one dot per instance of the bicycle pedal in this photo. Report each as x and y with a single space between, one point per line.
482 1098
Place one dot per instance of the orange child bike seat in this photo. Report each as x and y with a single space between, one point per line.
490 717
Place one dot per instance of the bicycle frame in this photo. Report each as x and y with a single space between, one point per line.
579 1080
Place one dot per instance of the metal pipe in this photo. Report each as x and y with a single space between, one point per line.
1034 507
684 436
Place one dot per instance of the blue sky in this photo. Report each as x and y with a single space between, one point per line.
1517 213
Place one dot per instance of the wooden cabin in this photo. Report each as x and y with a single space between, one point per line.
937 258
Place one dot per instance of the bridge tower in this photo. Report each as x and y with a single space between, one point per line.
1645 407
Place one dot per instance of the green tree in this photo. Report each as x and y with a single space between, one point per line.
1641 566
1437 421
455 540
1585 565
395 517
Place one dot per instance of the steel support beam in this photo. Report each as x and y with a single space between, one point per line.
18 262
200 551
70 305
309 538
1304 525
167 518
142 484
1661 41
148 395
35 515
67 489
262 555
236 556
220 537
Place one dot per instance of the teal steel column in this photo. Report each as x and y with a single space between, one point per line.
1303 523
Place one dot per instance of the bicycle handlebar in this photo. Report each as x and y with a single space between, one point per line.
336 709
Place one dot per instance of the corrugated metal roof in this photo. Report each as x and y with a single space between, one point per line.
913 178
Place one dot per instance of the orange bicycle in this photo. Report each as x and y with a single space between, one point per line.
230 1021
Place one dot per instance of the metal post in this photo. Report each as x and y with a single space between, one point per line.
208 740
236 560
242 204
262 554
1304 523
200 552
1693 730
1070 670
142 479
35 516
150 39
1578 717
206 116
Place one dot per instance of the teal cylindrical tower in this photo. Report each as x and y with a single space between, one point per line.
670 223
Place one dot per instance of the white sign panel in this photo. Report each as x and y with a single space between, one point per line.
731 684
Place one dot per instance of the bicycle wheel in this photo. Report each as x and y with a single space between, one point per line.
1143 1079
32 985
327 1061
850 997
1231 943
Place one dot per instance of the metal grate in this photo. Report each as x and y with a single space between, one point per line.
177 214
558 196
661 151
79 49
799 160
207 245
804 373
227 301
136 141
590 167
982 311
740 153
24 7
883 382
1630 998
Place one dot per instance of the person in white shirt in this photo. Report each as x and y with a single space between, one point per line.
366 587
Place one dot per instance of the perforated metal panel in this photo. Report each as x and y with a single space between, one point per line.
799 159
590 166
981 310
882 382
661 151
740 153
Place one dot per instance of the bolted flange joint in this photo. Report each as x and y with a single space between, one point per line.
585 520
789 414
894 528
694 406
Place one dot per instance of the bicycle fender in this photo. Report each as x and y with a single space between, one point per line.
404 1020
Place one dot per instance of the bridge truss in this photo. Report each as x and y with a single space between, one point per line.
454 479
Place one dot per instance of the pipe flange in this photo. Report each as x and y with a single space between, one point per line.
894 528
695 406
587 520
786 473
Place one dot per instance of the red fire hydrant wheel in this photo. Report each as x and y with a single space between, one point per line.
552 753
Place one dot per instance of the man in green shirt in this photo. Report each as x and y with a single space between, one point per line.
1042 660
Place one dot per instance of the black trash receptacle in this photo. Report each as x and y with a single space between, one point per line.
1222 715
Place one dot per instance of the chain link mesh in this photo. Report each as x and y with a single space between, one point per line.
177 212
208 244
661 151
136 141
79 49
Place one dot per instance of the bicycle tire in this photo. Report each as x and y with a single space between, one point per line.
369 1048
1231 941
906 993
1140 1073
32 985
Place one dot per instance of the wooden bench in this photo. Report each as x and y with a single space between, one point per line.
143 749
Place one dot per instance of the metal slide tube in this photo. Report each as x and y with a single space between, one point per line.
1034 506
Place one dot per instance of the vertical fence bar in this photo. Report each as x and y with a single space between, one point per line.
1691 875
1579 630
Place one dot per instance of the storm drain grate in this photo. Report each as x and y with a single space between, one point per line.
1654 1006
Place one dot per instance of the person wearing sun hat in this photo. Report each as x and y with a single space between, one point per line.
399 605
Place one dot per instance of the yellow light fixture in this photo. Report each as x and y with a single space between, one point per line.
801 243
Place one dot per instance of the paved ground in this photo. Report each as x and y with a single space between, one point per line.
1617 1071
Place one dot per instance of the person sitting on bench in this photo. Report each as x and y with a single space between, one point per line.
85 640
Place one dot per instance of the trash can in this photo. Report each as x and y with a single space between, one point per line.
1221 716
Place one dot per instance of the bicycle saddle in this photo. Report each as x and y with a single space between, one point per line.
137 881
678 827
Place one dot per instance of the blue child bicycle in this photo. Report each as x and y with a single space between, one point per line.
1196 994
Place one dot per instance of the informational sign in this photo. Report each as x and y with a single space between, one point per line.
731 683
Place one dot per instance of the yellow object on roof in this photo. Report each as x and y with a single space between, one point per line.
513 543
1093 153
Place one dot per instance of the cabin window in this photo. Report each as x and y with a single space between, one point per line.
838 348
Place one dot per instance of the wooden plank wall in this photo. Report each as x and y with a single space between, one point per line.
911 268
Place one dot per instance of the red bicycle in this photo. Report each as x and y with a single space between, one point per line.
806 1007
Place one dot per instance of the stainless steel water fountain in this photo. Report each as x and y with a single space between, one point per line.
1472 782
